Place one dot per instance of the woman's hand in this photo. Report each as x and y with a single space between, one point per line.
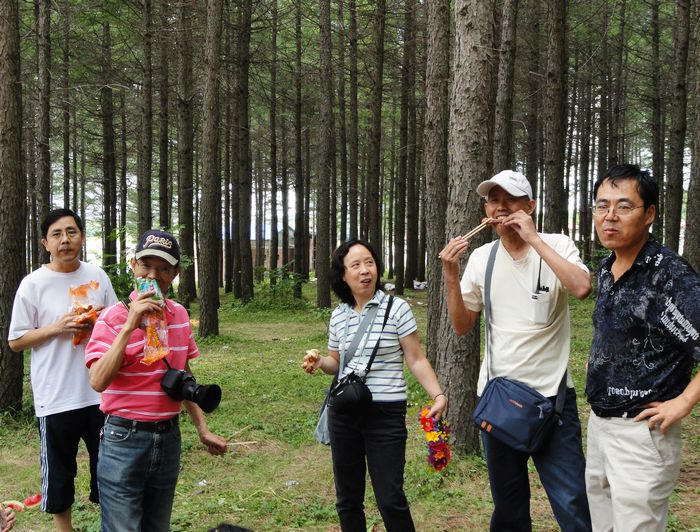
312 361
439 406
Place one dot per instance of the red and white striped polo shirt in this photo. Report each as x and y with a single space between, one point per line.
135 392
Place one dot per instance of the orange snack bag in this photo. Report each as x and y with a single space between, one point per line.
84 305
154 324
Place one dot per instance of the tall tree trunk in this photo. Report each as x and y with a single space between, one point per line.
354 161
12 199
143 180
534 82
436 177
274 231
555 197
65 104
123 191
691 245
375 144
43 180
503 127
109 162
285 198
657 128
323 229
342 130
457 364
411 258
259 219
164 196
586 113
211 181
679 104
187 290
244 168
228 96
299 234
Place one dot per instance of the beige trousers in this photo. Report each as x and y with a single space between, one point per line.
630 474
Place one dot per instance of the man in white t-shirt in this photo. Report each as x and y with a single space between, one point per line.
45 321
530 340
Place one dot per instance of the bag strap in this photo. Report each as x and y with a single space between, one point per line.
561 392
347 355
376 346
487 304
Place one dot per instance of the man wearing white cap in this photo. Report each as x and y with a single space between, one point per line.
530 341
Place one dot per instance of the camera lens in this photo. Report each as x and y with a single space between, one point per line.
207 396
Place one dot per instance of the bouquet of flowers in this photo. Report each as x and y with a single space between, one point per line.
437 433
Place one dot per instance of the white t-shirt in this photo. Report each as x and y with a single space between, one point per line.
58 373
525 347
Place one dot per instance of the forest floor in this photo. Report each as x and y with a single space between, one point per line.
275 476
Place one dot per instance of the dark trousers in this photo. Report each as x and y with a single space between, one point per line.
374 441
561 466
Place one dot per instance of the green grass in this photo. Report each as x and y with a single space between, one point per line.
276 477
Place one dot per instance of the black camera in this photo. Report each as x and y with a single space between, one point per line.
181 386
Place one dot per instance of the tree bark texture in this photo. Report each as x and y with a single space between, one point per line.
143 185
503 126
12 199
457 363
211 180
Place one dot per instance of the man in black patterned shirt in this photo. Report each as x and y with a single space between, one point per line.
645 344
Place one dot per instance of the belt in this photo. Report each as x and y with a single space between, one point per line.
627 414
147 426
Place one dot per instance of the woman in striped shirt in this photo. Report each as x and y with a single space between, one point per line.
373 439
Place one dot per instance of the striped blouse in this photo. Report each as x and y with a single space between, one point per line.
386 377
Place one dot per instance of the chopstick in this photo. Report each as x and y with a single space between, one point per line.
483 225
478 228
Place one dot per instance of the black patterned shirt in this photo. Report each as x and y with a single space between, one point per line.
645 338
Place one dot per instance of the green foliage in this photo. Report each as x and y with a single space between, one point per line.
121 277
278 296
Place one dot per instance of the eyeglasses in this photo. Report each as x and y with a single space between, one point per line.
621 209
71 233
159 270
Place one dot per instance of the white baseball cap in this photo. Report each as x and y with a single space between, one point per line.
515 183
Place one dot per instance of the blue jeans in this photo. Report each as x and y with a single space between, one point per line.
561 466
375 440
136 475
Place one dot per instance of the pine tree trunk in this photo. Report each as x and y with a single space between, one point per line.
65 104
43 178
187 291
691 244
354 161
657 129
374 148
211 181
436 177
274 231
143 181
503 127
457 363
674 179
12 200
323 228
164 195
533 84
245 173
299 233
555 109
411 258
109 163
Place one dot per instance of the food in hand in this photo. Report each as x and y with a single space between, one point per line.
85 308
15 505
154 324
311 357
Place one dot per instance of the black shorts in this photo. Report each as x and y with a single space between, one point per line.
59 435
